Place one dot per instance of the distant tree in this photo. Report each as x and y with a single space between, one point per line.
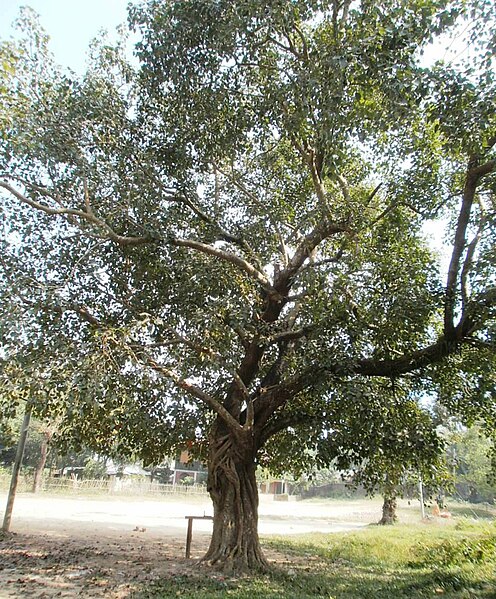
223 245
470 452
95 469
377 436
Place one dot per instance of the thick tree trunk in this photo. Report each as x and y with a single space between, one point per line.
235 546
389 511
38 474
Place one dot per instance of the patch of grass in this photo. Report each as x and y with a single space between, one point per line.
403 562
483 511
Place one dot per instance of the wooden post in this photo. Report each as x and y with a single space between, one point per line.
189 536
17 468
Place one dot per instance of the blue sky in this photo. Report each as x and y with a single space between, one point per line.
71 24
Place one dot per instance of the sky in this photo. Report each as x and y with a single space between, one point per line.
71 24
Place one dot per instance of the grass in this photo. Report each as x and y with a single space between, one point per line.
455 560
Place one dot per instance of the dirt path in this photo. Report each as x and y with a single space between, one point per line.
83 547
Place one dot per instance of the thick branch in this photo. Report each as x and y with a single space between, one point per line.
473 177
291 335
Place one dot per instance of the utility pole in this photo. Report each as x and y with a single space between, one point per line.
421 494
17 467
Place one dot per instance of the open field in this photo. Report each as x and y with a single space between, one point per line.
88 547
166 517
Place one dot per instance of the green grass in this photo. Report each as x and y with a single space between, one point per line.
483 511
455 561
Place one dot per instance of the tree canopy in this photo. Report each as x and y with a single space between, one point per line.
223 245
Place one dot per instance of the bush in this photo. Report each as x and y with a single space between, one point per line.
456 552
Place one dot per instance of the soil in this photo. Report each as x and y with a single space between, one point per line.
86 547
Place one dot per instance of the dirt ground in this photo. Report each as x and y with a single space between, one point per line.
107 547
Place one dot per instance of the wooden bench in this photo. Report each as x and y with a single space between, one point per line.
189 534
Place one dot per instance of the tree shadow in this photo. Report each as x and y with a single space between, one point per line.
328 581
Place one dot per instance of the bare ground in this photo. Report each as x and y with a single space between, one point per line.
86 547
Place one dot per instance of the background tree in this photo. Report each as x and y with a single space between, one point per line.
469 453
377 435
224 244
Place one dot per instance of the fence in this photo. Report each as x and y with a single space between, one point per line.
114 486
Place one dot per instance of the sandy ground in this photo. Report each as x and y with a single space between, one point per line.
85 547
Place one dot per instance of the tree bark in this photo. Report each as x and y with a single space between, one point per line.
235 546
38 474
389 511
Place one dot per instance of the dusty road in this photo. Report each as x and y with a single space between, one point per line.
107 547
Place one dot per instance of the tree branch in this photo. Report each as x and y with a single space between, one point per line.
227 257
474 174
321 232
84 215
251 196
291 335
214 356
192 390
468 263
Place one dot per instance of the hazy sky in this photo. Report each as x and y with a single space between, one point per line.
71 24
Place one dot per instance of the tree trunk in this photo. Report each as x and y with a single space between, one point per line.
234 547
16 468
38 474
389 511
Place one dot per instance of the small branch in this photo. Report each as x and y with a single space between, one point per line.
282 46
373 193
291 335
86 315
344 186
250 415
481 343
344 16
334 260
250 195
383 214
192 390
171 195
308 244
473 176
87 204
468 263
240 332
311 161
303 43
70 213
214 356
227 257
476 313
